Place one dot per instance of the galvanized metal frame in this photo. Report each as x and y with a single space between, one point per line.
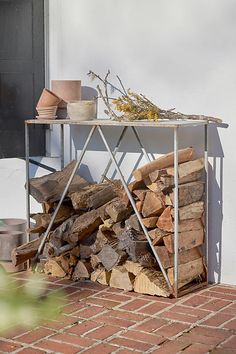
112 154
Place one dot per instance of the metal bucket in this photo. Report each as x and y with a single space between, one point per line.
8 241
13 225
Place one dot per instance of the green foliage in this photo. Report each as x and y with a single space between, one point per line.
26 304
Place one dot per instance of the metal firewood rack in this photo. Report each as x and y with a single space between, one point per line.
98 125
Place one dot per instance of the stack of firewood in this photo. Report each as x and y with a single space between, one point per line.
96 234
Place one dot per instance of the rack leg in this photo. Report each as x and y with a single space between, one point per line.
114 153
134 206
27 178
62 147
64 193
206 193
176 207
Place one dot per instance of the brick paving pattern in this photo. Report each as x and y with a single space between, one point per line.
100 320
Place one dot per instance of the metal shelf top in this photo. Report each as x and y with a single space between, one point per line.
109 122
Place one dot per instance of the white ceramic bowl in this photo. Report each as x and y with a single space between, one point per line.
82 110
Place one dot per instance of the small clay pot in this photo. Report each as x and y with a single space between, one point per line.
47 112
82 110
48 99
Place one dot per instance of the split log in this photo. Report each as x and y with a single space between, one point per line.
133 223
49 188
190 224
107 225
136 185
121 278
151 282
140 193
155 175
79 199
82 271
191 211
153 205
157 236
110 257
139 205
62 231
187 272
118 211
167 259
133 267
83 226
95 261
43 220
187 168
118 227
189 193
156 187
164 257
150 222
67 262
187 240
25 252
165 221
169 181
162 162
50 250
92 244
168 201
102 197
101 276
52 268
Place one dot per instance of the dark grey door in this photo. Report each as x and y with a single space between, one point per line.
21 74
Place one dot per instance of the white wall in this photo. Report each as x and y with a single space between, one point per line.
180 54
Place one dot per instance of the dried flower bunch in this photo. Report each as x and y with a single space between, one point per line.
132 106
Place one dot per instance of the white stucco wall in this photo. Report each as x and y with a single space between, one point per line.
180 54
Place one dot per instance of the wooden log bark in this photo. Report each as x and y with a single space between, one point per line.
163 254
136 185
25 252
156 187
139 205
133 223
167 259
162 162
79 199
140 193
102 197
190 224
187 240
191 211
121 278
62 231
118 227
50 250
83 226
187 272
151 282
189 193
49 188
153 204
165 221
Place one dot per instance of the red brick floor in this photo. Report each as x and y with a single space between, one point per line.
98 319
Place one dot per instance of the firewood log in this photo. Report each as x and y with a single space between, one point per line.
165 221
169 181
133 267
82 271
140 193
50 250
92 244
83 226
136 185
101 275
121 278
153 204
118 211
52 268
156 187
133 223
95 261
157 235
151 282
139 205
79 199
189 193
163 255
110 256
187 168
150 222
62 231
187 272
162 162
25 252
187 240
191 211
49 188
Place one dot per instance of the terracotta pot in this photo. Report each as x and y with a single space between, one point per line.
47 112
48 99
68 90
82 110
8 241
